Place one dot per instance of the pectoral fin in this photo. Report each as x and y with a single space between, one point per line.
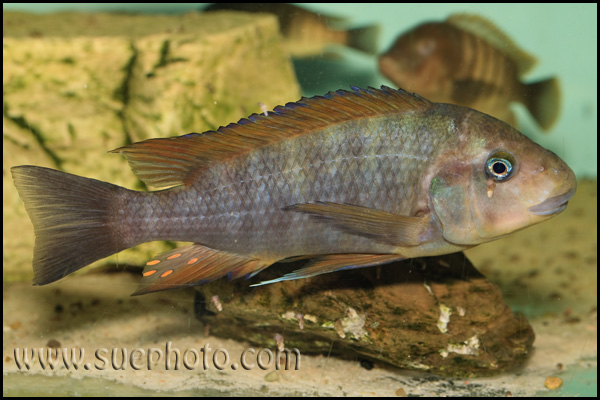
382 226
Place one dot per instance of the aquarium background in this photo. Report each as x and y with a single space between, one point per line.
563 37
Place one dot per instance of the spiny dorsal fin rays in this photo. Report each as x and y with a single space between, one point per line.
173 161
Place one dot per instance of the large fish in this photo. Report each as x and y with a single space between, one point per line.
466 60
350 179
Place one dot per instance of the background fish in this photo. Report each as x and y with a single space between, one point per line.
466 60
351 179
307 33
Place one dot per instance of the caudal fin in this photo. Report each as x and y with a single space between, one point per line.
71 219
364 38
543 101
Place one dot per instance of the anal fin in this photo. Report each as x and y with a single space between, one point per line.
193 265
336 262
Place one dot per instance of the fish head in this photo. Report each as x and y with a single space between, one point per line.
496 181
421 61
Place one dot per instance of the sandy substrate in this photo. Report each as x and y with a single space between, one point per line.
549 272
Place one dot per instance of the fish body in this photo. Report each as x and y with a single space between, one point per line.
349 179
466 60
306 33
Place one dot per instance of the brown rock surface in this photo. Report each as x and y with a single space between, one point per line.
436 314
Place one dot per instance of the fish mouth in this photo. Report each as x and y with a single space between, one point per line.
553 205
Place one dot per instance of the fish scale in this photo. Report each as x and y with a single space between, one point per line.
226 227
349 179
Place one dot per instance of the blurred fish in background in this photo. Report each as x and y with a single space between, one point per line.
467 60
308 34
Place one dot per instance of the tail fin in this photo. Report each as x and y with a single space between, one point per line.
543 101
71 218
364 38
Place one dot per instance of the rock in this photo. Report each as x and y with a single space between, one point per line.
436 314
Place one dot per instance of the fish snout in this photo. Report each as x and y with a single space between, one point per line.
553 205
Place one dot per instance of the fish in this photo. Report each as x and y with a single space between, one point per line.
306 33
467 60
351 179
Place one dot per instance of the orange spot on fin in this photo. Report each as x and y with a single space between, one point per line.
194 265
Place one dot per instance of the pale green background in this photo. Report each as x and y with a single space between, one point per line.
562 36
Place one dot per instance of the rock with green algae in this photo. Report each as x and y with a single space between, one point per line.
436 314
77 85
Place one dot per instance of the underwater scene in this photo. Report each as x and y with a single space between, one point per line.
275 199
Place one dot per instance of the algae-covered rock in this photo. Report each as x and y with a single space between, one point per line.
436 314
78 85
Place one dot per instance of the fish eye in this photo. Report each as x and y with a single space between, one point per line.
500 166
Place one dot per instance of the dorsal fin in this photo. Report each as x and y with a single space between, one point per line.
172 161
486 30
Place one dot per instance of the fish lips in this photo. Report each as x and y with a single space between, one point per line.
553 205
